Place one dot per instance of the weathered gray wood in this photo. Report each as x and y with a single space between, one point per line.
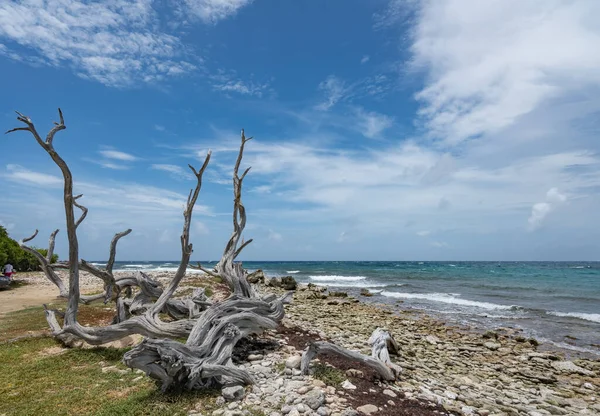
233 273
318 347
382 344
205 359
45 261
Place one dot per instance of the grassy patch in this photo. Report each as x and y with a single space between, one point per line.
32 321
22 323
40 377
328 375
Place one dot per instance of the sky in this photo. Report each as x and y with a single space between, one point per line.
383 129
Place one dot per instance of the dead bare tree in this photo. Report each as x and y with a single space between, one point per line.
212 329
45 261
206 357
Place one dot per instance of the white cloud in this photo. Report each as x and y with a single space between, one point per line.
229 82
211 11
334 89
114 166
365 59
439 244
111 42
201 228
423 233
7 225
262 189
540 210
18 173
273 236
176 171
115 154
489 64
371 124
158 127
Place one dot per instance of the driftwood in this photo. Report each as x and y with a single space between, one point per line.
205 359
233 273
212 329
45 261
379 362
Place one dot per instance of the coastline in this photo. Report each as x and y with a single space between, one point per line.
458 369
491 373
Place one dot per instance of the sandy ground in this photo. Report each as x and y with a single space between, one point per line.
15 298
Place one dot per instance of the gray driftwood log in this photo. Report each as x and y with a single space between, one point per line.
379 362
45 261
212 329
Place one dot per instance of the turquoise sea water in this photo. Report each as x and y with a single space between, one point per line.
556 302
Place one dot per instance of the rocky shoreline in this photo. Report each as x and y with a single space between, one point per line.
447 370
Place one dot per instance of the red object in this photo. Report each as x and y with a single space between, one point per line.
8 274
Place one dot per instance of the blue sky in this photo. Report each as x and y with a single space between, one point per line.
384 129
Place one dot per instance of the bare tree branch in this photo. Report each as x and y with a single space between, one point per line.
25 240
113 249
84 210
73 302
45 261
198 266
234 274
51 241
57 127
186 246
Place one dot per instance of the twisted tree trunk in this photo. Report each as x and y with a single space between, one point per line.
211 329
45 261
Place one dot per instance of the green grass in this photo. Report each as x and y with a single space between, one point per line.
39 376
25 322
328 375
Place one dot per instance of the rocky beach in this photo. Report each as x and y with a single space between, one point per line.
446 369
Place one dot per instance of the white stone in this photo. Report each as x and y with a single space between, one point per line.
368 409
348 386
293 362
493 346
570 367
390 393
233 393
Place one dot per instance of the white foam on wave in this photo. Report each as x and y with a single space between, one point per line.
445 298
293 271
98 264
566 346
137 266
161 269
357 284
593 317
328 278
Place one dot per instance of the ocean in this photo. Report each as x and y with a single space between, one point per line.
555 302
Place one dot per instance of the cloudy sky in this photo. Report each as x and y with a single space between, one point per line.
384 129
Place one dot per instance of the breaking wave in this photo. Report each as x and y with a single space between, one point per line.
446 298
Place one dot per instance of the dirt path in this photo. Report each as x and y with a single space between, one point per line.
15 298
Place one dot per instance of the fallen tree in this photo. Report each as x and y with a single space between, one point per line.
212 329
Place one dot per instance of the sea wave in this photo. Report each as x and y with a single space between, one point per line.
593 317
357 284
446 298
98 264
293 271
158 269
328 278
138 266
